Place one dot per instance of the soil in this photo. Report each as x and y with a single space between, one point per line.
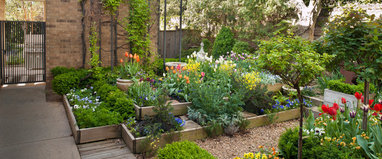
226 147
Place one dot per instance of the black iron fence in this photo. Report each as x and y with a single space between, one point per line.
22 52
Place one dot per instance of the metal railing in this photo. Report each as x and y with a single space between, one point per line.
22 48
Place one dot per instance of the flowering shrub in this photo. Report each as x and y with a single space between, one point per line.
250 80
262 154
177 82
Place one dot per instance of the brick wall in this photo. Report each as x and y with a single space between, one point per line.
64 30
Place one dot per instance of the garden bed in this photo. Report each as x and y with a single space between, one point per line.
274 87
192 131
86 135
179 109
261 120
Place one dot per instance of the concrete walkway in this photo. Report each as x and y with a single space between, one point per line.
31 128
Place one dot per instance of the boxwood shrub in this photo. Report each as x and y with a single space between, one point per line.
61 70
341 86
183 150
224 42
64 82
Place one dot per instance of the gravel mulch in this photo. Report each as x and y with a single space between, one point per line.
226 147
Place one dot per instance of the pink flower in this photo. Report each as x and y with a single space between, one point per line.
202 74
178 67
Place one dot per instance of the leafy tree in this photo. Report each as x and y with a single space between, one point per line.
356 39
24 10
295 61
224 42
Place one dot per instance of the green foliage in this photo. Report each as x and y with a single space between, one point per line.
183 150
207 45
293 59
86 118
117 101
258 100
111 5
137 27
355 39
114 99
288 143
61 70
15 60
144 94
88 110
341 86
62 83
224 42
162 122
241 47
323 80
95 63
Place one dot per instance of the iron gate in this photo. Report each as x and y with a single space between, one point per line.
22 48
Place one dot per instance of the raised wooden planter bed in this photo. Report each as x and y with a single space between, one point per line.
257 121
192 131
275 87
179 109
86 135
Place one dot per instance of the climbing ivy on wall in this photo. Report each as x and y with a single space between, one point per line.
137 27
111 5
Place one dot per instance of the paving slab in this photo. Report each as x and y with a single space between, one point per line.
30 127
60 148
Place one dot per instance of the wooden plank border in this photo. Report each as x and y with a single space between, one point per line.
179 109
86 135
140 145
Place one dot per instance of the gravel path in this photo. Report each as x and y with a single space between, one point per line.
225 147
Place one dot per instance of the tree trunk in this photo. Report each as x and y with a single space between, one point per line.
366 100
307 17
301 121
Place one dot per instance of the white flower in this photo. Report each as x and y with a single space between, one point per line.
188 56
76 106
164 74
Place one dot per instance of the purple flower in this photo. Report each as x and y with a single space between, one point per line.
342 109
180 121
352 114
365 108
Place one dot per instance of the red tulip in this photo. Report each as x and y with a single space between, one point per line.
325 109
126 54
335 105
357 95
332 112
378 107
343 100
371 101
121 60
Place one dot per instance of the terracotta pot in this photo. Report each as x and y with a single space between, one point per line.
124 84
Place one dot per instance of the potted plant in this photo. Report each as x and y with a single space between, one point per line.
128 71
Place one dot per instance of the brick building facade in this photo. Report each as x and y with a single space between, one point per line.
64 46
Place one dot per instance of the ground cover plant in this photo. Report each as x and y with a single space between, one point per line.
183 150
